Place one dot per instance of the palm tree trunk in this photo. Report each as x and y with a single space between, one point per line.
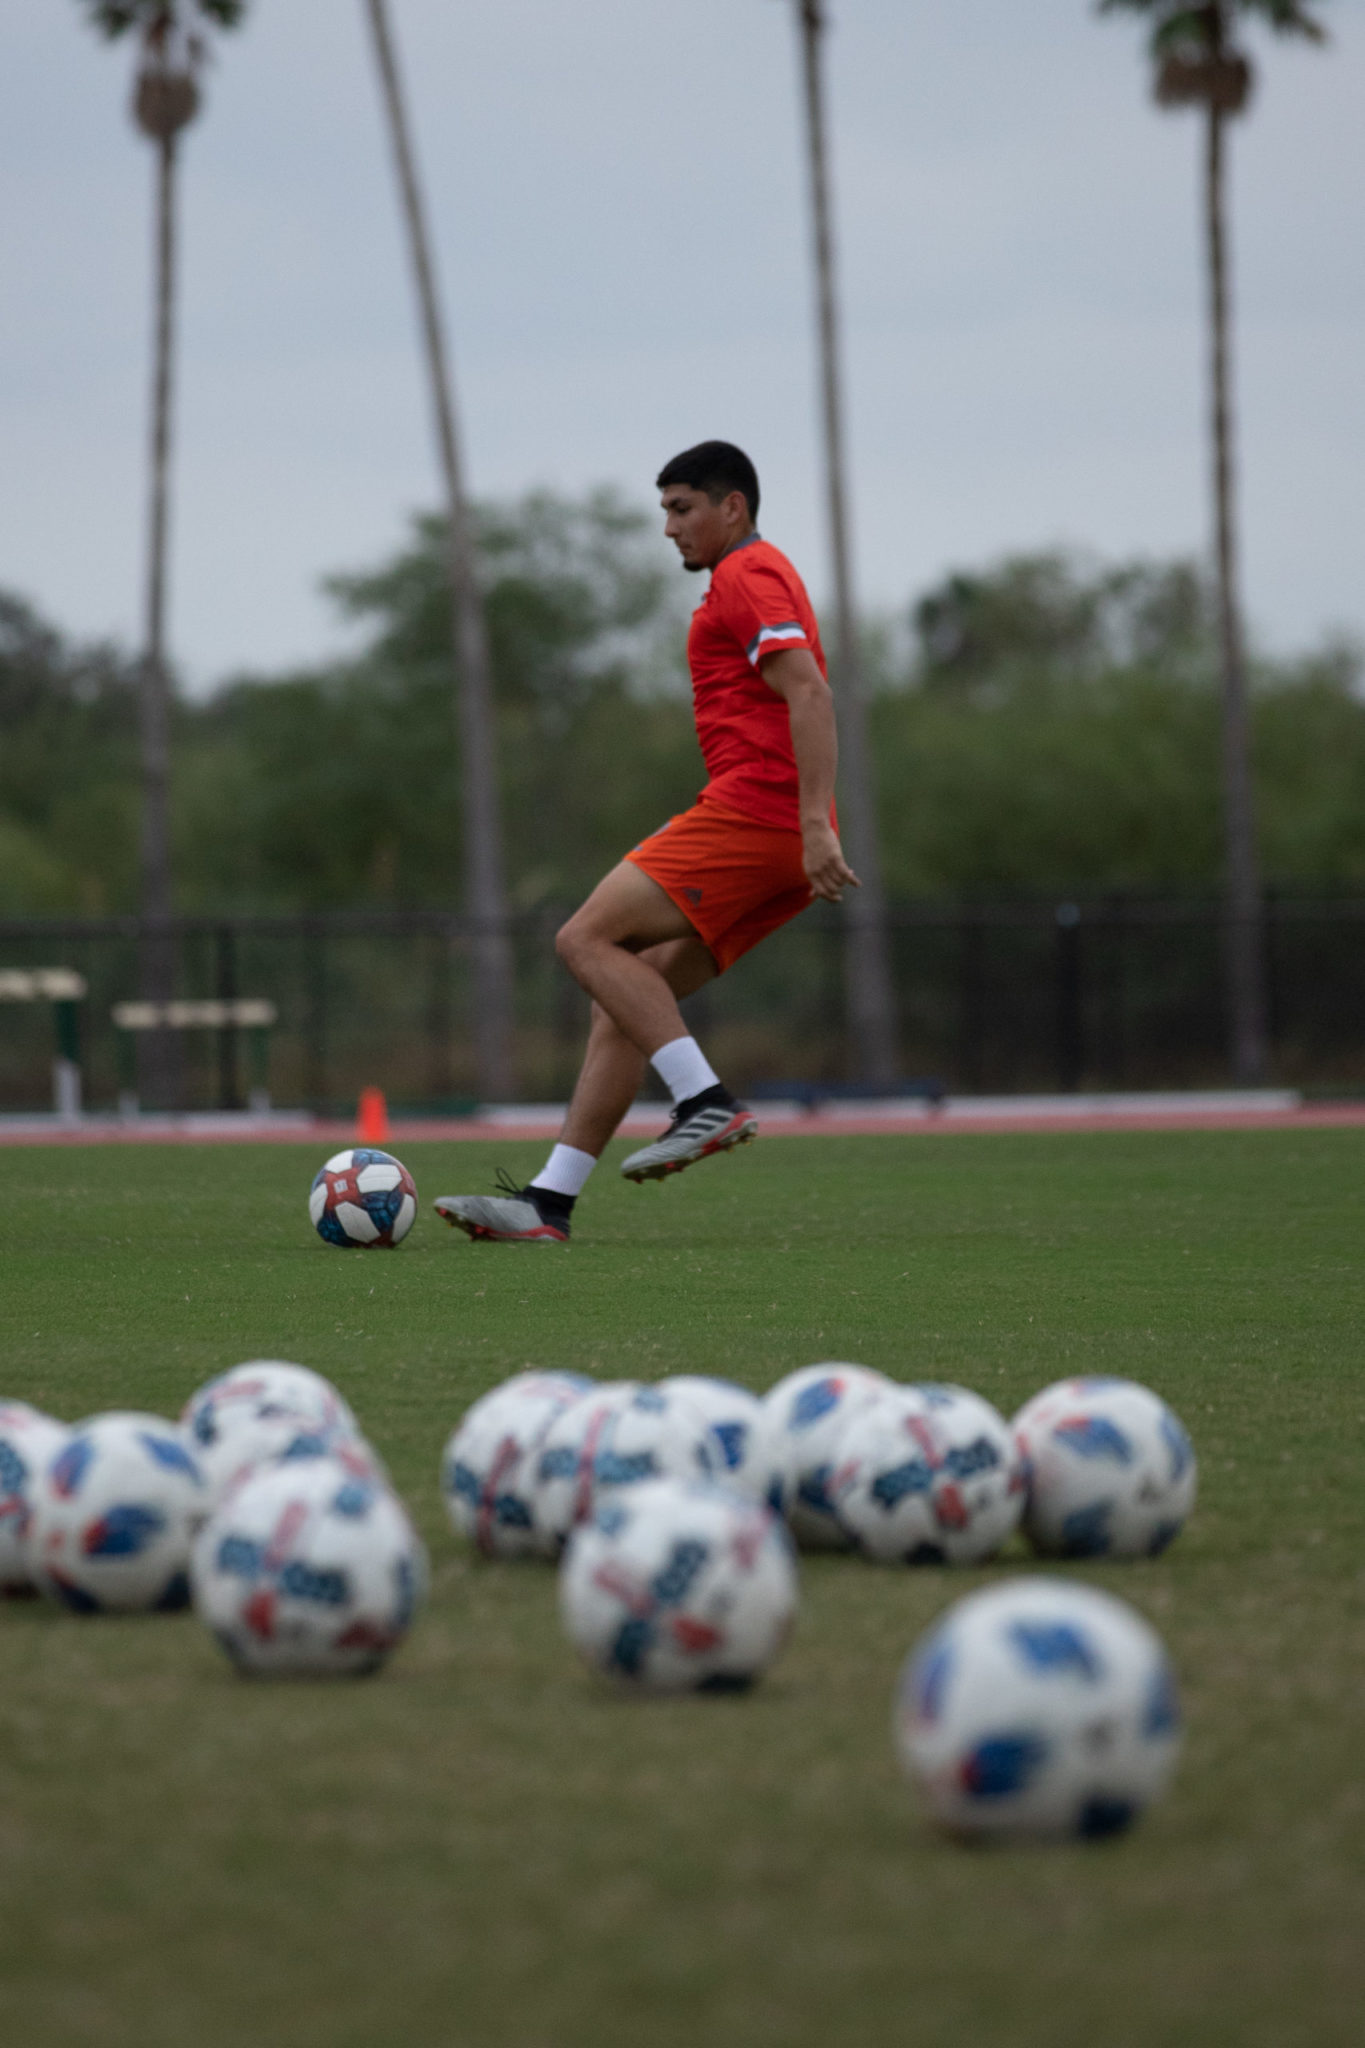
869 998
158 1078
485 893
1244 926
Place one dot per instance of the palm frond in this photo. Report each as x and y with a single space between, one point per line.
113 18
1287 17
1176 25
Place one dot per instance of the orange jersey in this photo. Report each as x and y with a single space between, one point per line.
756 606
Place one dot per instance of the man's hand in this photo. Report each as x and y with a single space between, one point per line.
828 873
795 675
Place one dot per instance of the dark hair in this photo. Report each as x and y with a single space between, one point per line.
716 467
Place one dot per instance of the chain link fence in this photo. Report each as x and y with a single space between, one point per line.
993 997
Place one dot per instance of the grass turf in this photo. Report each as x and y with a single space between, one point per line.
487 1846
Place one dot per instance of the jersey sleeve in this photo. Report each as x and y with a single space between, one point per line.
757 606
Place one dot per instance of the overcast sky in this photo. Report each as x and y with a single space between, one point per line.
618 198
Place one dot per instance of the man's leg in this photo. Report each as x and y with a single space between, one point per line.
614 1067
602 946
608 1082
608 946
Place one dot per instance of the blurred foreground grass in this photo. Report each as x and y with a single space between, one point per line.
484 1845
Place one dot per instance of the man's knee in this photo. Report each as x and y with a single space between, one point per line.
569 942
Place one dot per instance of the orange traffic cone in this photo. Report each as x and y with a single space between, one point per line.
372 1118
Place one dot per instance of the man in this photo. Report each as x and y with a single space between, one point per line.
759 844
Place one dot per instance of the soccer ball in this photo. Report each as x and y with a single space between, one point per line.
307 1570
1111 1472
735 1415
113 1516
927 1475
363 1197
488 1466
803 1417
605 1442
272 1435
679 1587
28 1440
238 1399
1038 1708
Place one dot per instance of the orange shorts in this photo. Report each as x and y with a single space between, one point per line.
733 879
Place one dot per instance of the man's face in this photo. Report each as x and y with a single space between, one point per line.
703 532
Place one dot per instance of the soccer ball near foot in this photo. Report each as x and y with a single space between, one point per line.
363 1197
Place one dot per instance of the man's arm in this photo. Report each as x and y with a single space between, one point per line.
795 675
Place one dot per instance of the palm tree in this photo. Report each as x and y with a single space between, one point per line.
869 995
485 888
166 96
1198 62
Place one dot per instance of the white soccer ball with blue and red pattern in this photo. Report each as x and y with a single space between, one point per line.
610 1440
679 1587
363 1197
238 1399
488 1467
1110 1468
275 1436
803 1418
735 1415
1040 1707
28 1439
113 1516
308 1570
927 1475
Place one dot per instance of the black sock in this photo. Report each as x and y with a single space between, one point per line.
717 1096
551 1206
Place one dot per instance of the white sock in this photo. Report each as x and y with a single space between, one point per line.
683 1068
565 1172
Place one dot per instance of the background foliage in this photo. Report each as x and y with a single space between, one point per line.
1049 722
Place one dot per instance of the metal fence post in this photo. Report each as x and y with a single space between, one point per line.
315 972
1070 1023
972 943
225 951
66 1065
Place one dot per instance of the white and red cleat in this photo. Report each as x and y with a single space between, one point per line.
693 1134
502 1219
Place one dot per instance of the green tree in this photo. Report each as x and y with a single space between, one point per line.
68 771
1050 614
1060 730
1199 62
342 786
1056 729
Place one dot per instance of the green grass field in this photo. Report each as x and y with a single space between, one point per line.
485 1845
